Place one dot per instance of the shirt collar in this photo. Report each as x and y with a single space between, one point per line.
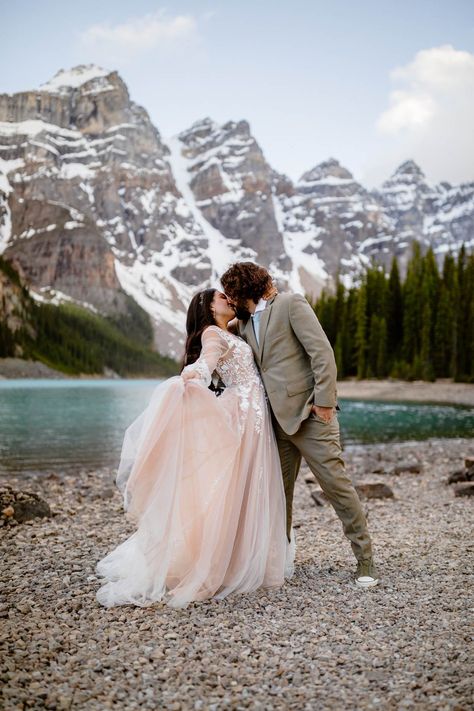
261 305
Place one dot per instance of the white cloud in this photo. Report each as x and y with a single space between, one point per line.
408 110
441 68
154 30
430 117
432 80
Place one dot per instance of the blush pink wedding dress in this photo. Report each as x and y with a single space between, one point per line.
201 479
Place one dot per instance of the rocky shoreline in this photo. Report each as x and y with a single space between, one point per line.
12 368
443 390
316 643
18 368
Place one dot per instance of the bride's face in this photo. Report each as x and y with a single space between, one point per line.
221 307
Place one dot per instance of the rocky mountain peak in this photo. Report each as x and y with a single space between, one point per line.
330 168
66 80
86 97
409 168
206 134
407 174
226 179
329 179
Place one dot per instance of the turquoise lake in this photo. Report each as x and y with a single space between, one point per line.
65 425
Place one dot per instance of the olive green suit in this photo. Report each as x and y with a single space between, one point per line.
297 366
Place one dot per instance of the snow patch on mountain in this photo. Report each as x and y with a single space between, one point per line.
220 250
65 80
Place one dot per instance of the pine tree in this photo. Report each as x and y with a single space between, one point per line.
339 356
469 325
374 335
412 306
394 313
444 330
429 298
324 309
463 305
382 364
349 330
339 309
361 332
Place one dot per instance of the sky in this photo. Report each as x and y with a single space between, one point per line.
370 84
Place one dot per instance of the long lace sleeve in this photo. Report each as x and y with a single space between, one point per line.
213 347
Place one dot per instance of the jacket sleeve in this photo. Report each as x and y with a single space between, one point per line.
310 334
213 347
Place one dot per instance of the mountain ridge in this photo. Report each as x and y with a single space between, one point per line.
95 205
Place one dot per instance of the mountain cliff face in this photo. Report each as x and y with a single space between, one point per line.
231 185
14 309
93 210
95 205
331 224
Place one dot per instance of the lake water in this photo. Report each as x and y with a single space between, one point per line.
63 425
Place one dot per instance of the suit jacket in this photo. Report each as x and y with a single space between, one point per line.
295 359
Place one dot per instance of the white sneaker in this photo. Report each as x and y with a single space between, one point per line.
366 575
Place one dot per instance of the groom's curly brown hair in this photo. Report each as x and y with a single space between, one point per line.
246 280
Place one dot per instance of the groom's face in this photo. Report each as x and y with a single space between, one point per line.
242 306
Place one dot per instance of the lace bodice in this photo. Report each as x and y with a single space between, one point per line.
232 359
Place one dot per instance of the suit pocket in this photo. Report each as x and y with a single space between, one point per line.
300 386
318 418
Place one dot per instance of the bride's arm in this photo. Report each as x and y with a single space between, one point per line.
213 347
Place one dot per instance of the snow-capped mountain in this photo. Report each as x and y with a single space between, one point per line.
331 224
93 209
438 215
94 202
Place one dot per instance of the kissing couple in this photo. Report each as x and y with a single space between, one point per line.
208 479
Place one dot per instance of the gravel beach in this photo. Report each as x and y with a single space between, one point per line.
319 642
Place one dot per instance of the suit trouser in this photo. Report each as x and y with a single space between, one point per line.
318 443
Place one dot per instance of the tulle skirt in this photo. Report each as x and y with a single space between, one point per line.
201 480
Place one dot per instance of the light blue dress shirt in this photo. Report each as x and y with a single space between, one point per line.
256 324
256 318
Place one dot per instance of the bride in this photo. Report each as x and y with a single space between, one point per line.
201 479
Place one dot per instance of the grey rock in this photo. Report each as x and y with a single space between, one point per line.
410 467
460 475
22 506
374 490
465 489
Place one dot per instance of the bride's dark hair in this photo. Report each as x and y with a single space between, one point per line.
198 317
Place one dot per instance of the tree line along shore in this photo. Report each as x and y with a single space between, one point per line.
421 328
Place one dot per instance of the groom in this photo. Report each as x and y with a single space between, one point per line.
298 369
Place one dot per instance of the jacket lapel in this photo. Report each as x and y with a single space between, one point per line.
264 318
250 336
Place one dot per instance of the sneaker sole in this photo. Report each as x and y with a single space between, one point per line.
367 584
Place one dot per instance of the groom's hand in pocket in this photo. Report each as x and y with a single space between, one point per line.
325 413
